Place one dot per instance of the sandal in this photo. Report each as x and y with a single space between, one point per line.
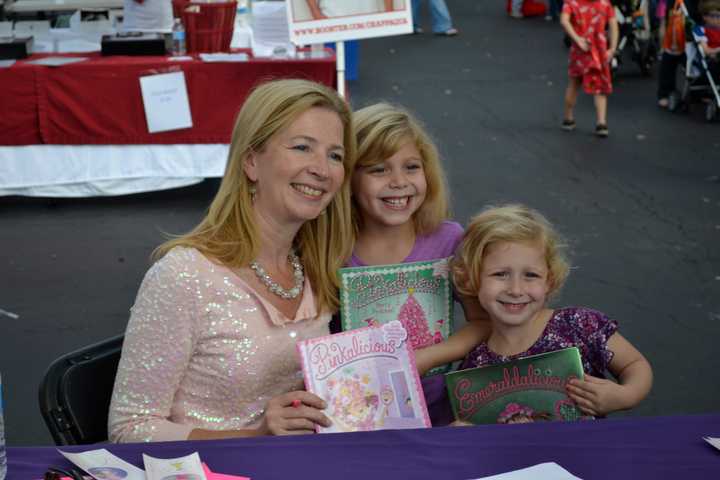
568 125
448 33
602 130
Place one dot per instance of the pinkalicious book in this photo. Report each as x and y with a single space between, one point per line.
367 377
418 295
525 390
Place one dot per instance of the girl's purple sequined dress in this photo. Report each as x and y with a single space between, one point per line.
587 329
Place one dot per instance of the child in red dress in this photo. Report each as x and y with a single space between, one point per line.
585 22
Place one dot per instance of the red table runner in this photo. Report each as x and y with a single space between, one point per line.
98 101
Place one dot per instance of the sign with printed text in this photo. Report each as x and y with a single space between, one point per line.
166 103
320 21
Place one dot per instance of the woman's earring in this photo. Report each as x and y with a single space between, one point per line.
253 192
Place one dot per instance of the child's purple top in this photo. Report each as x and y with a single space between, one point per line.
441 243
587 329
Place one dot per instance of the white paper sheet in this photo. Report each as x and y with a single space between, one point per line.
166 102
715 442
224 57
27 28
542 471
56 61
188 467
271 37
6 29
103 465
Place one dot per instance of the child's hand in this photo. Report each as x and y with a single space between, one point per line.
461 423
610 54
596 396
582 44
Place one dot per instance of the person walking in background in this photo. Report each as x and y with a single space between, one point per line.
673 52
440 20
585 22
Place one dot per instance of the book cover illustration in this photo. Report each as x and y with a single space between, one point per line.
521 391
418 295
367 377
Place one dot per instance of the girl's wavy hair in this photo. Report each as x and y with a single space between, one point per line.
507 223
229 234
382 130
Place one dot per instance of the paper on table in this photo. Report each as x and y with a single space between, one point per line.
6 29
103 465
56 61
715 442
166 102
271 36
187 467
220 476
542 471
224 57
32 28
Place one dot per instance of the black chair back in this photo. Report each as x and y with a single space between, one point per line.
76 390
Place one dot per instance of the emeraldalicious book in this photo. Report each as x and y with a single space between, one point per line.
367 377
525 390
417 294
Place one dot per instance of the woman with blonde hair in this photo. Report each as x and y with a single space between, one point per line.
209 349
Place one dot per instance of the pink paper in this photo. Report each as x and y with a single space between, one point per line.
220 476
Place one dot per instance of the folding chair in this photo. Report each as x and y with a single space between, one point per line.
75 393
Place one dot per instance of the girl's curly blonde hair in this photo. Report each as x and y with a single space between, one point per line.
507 223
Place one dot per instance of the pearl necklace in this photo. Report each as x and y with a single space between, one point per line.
277 289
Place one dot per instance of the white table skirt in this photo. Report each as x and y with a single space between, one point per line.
54 5
103 170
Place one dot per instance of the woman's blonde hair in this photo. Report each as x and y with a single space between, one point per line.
507 223
228 234
381 131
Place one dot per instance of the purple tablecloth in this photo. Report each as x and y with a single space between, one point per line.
628 448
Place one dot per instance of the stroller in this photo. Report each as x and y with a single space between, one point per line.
637 36
697 81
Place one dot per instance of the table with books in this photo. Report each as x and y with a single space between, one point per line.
632 448
85 121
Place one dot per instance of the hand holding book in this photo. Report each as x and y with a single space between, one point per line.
294 413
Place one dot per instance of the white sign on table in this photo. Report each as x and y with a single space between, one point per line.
6 29
321 21
715 442
542 471
166 102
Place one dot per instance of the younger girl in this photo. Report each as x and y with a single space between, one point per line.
400 211
584 21
511 260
